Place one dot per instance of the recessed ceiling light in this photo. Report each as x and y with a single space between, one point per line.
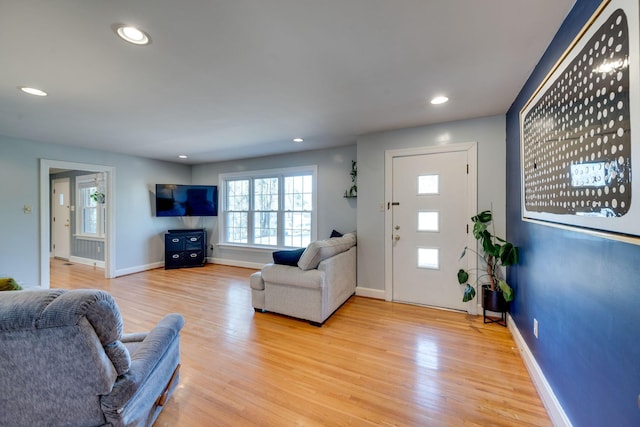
132 34
183 156
439 100
298 140
32 91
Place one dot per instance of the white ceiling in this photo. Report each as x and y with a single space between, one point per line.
225 79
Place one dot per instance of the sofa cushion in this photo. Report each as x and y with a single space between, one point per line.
320 250
288 257
274 274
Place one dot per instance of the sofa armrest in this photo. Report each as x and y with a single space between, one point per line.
143 360
340 276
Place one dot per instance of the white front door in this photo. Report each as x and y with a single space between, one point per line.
60 219
430 212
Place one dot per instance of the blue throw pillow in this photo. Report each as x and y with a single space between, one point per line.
288 257
335 233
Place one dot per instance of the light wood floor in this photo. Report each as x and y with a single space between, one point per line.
373 363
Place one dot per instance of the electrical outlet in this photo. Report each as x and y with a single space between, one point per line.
535 327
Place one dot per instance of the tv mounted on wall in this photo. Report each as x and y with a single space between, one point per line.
186 200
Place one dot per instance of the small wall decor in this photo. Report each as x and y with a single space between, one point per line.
353 191
579 131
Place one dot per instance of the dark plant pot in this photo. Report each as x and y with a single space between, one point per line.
494 301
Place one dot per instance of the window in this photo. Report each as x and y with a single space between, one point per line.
269 208
90 215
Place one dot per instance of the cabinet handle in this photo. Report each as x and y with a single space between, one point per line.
194 255
193 239
175 256
174 240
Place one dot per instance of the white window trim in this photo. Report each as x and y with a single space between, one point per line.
265 173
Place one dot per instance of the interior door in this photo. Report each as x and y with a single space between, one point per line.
430 216
60 219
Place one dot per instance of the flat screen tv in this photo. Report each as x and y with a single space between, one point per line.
186 200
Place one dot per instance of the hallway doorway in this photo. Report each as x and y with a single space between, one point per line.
46 168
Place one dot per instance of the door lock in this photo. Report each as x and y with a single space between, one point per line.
397 227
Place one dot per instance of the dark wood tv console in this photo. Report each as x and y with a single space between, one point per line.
185 248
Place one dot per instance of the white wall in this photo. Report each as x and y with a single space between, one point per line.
489 133
139 235
334 211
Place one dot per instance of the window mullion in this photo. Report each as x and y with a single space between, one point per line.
251 213
280 214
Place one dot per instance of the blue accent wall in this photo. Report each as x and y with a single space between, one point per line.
583 290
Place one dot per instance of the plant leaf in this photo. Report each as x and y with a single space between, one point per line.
508 254
469 293
483 217
478 229
463 276
487 244
507 292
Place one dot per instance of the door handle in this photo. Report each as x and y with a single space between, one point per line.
397 227
397 237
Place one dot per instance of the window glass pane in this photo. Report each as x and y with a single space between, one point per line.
236 223
265 228
428 184
298 194
90 220
429 258
428 221
297 229
265 194
238 195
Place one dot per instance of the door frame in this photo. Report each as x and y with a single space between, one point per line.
472 204
54 235
45 215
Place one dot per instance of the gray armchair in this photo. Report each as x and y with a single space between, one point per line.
65 362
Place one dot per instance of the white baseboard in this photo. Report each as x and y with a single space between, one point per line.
87 261
139 268
370 292
554 409
234 263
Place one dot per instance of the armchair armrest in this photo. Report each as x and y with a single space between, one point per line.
143 360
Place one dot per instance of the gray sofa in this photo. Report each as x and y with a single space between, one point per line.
323 279
65 362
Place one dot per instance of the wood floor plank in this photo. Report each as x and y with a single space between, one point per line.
373 363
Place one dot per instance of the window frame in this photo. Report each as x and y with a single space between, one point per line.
281 174
87 181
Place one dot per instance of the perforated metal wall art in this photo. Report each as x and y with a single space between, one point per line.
577 139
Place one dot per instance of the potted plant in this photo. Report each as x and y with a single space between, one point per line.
495 254
353 191
97 197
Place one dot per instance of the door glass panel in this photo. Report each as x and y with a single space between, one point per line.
429 258
428 221
61 199
428 184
